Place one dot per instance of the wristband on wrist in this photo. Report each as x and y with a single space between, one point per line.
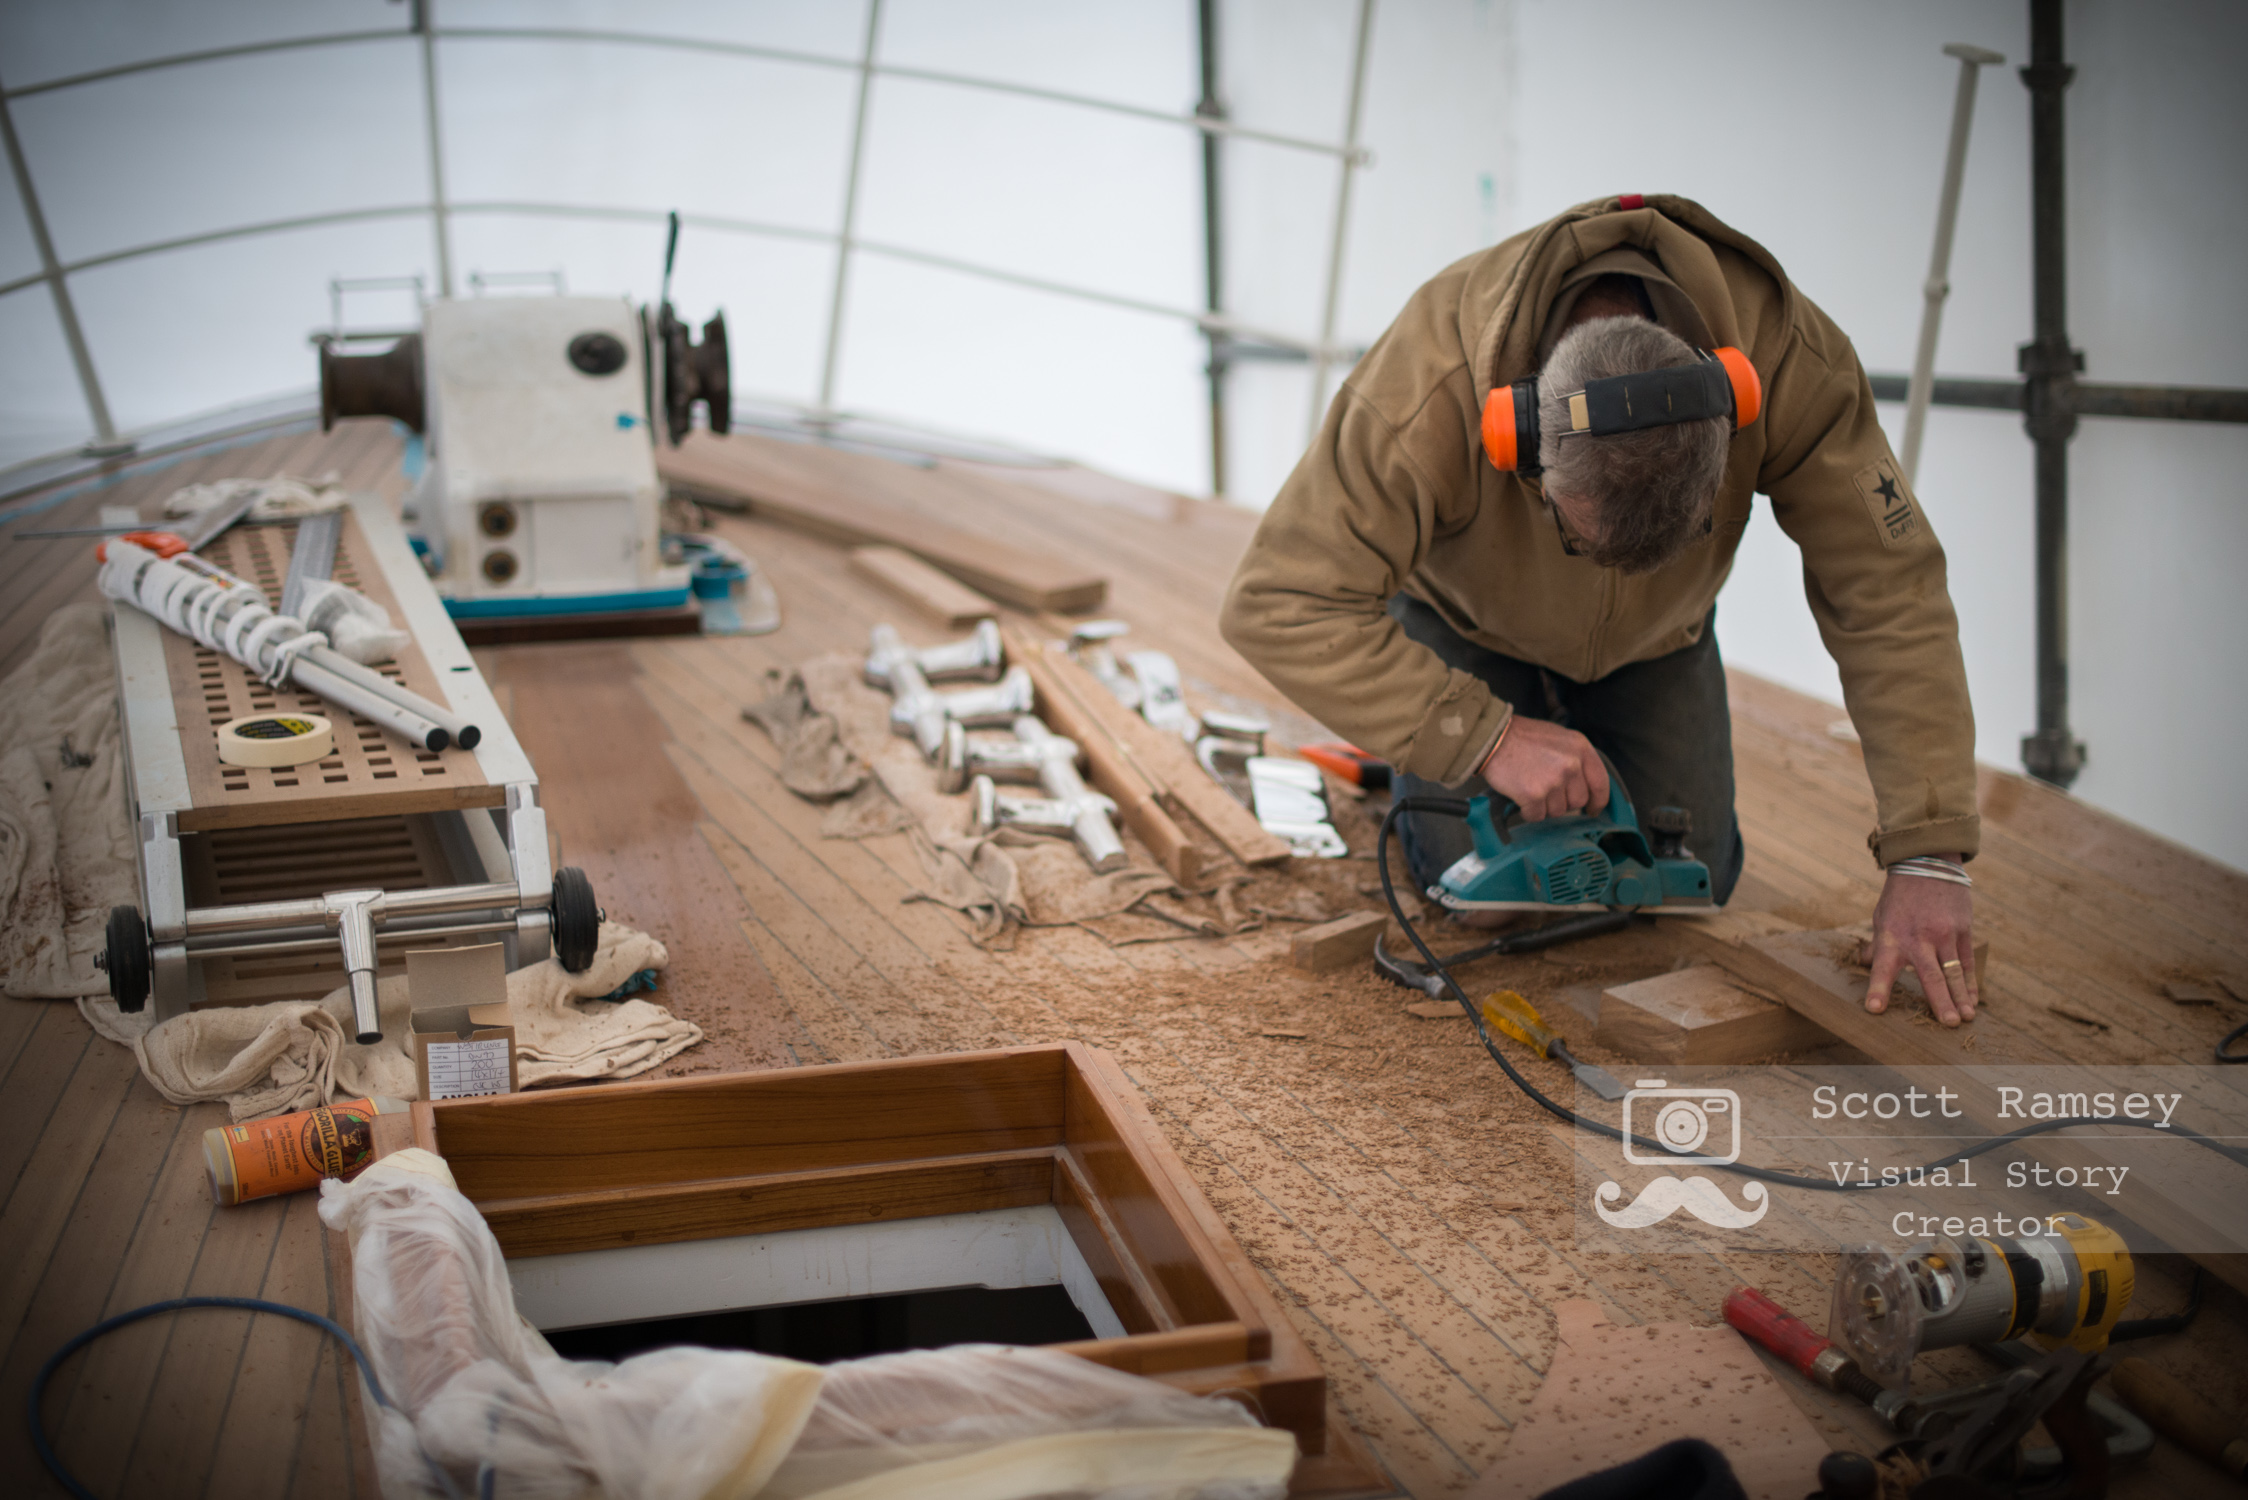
1504 730
1931 867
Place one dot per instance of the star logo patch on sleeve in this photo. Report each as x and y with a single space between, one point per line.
1889 502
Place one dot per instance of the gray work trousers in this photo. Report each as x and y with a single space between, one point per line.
1663 724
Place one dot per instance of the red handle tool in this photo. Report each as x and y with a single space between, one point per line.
1813 1354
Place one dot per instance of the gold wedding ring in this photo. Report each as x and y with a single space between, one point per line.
1953 964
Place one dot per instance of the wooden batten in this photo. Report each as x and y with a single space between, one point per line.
856 499
1162 758
933 594
1063 702
786 1120
771 1204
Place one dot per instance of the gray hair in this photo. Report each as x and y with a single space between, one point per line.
1654 489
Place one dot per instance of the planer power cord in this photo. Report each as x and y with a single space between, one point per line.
69 1481
1452 807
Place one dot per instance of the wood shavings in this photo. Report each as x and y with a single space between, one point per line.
2077 1016
1436 1010
1283 1036
2186 992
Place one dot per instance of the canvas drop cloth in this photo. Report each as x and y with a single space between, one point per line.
272 1059
833 731
66 848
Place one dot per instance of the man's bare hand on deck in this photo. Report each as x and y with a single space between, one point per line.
1546 770
1925 925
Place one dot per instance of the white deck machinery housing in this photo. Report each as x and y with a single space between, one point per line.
539 498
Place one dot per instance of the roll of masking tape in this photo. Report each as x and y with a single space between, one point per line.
276 740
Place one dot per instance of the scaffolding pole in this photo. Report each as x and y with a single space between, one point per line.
106 442
1323 355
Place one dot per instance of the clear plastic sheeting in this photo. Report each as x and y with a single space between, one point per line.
481 1405
988 1421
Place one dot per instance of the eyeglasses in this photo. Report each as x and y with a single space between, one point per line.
1569 543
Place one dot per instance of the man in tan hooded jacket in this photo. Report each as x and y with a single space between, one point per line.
1448 616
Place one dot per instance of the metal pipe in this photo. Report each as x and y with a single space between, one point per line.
439 222
312 911
389 936
1972 60
215 236
1210 107
378 708
850 207
1248 342
2049 364
463 733
2093 398
213 54
1322 353
693 44
105 441
355 914
491 895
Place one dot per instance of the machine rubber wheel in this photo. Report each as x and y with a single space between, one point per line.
576 920
127 959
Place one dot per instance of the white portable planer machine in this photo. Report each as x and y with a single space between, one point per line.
273 883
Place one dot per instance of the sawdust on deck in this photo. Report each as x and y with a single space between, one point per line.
1407 1206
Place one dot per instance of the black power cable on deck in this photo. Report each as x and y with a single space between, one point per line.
342 1335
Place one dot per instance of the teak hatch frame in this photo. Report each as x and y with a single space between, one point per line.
850 1143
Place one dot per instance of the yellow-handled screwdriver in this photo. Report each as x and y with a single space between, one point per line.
1505 1011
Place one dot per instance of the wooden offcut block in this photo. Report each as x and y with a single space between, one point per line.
1699 1015
1333 945
935 595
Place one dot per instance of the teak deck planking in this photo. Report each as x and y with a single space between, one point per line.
1384 1220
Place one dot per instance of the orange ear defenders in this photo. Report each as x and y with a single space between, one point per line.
1723 384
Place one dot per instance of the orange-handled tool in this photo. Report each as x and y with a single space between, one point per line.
1505 1011
1366 772
162 543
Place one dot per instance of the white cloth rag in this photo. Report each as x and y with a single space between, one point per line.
280 498
273 1059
